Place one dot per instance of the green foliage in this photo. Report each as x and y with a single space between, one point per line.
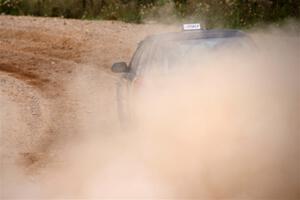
11 7
213 13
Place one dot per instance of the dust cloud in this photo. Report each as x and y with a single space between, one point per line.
230 127
226 129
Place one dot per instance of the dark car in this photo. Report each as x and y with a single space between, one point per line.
163 53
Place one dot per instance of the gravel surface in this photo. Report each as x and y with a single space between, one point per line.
47 67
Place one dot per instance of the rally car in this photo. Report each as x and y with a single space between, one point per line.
161 53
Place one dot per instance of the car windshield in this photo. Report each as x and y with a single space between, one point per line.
163 57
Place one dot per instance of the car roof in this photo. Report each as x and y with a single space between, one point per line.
194 35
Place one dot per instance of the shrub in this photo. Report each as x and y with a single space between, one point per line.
213 13
11 7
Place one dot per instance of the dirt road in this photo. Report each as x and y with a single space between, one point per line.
50 71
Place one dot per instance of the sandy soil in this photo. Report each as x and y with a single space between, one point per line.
39 59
